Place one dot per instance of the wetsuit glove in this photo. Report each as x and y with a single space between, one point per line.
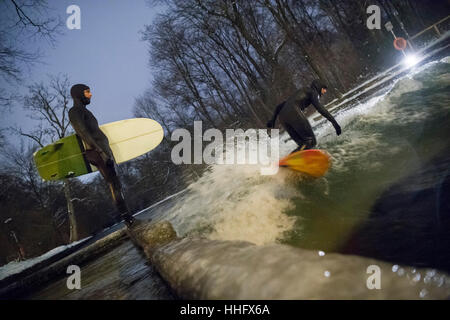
337 128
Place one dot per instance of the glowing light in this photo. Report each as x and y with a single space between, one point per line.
411 60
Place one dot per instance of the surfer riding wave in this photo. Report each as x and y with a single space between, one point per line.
294 121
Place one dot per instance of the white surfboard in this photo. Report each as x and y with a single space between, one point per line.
131 138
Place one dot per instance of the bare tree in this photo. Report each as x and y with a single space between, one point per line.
216 69
48 104
222 61
23 21
146 107
2 138
19 162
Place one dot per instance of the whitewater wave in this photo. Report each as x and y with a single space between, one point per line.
235 202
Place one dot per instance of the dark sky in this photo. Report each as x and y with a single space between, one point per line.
106 54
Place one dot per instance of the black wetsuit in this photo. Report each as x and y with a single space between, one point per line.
292 118
98 151
86 125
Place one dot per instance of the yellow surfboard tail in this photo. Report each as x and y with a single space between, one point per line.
312 162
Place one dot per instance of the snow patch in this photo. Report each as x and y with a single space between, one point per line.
18 266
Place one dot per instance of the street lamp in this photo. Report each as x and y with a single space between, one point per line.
400 44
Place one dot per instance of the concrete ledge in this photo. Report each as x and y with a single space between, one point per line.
32 282
206 269
197 268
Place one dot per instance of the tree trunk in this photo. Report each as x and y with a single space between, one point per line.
71 212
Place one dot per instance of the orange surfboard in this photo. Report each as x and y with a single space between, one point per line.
312 162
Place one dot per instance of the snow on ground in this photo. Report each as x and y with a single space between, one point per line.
18 266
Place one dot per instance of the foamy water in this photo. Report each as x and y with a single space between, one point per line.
235 202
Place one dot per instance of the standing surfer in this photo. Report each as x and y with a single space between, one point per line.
98 151
294 121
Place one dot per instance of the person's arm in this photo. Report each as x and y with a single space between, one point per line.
271 122
324 112
82 129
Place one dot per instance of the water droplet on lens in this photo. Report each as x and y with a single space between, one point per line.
431 273
423 293
326 274
401 272
440 281
417 278
447 282
394 268
321 253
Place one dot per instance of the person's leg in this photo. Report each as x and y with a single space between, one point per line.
303 129
298 127
117 192
305 139
107 170
294 135
299 148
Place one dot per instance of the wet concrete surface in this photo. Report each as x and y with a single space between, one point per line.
121 274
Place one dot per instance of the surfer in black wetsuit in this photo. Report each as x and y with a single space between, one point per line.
292 118
98 151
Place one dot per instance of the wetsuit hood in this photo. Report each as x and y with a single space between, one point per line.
317 86
77 93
